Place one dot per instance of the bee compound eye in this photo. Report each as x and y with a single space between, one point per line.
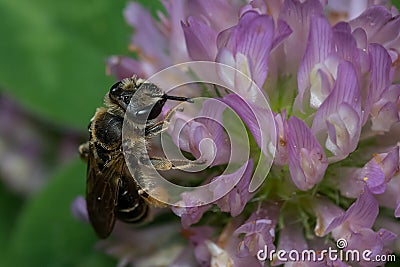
115 89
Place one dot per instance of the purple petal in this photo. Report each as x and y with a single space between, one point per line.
297 15
237 198
346 45
379 75
250 114
290 238
200 40
219 14
181 131
361 214
389 162
364 211
307 160
281 155
203 136
326 212
79 210
124 67
388 32
213 109
386 235
350 182
372 20
258 230
340 113
391 198
257 235
319 47
281 33
373 176
364 239
252 37
147 37
197 237
193 210
176 39
386 117
385 112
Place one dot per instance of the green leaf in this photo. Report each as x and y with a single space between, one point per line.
10 205
396 3
47 235
53 54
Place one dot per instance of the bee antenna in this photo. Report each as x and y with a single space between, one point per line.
178 98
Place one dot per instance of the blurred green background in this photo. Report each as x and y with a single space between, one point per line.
52 78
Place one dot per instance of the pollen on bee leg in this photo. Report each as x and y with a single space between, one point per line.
161 164
365 179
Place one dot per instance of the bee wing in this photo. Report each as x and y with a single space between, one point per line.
102 187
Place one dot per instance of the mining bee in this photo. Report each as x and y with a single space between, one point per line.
111 191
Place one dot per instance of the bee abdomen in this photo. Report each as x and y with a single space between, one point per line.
136 213
131 206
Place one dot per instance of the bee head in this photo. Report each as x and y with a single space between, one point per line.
148 101
121 92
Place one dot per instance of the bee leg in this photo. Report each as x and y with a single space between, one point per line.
84 151
156 129
161 164
164 164
160 126
179 164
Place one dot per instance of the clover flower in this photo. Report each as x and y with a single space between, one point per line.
333 89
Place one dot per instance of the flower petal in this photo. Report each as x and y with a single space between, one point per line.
281 155
259 230
307 160
372 20
124 67
282 31
192 211
259 121
252 38
79 209
326 212
374 177
203 134
176 39
361 214
235 201
380 75
290 238
219 14
319 47
211 117
147 38
201 40
297 15
385 112
340 114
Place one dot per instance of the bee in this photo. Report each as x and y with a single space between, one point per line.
111 191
